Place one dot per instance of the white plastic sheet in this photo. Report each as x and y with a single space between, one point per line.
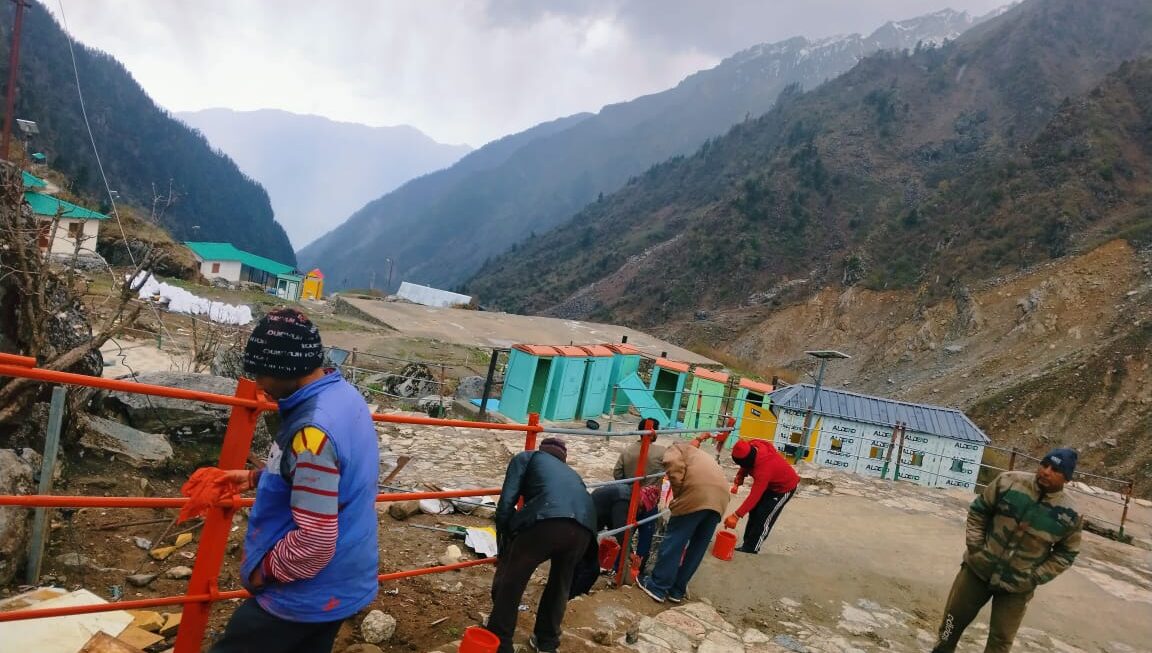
182 301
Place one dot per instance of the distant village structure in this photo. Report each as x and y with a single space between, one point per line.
226 261
941 447
62 225
429 296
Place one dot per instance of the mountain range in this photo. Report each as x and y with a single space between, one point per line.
318 171
145 153
928 169
441 228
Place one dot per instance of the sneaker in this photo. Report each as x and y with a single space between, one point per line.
743 550
650 592
676 599
536 646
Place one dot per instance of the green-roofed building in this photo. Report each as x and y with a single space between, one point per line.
226 261
63 224
32 181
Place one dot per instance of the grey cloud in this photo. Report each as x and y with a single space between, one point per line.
723 27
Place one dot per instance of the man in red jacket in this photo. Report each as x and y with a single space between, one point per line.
773 484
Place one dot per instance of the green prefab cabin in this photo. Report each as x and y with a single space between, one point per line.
705 398
597 374
625 362
562 401
526 381
667 386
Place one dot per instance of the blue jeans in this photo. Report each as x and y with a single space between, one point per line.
691 532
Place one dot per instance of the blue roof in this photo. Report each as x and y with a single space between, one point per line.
934 420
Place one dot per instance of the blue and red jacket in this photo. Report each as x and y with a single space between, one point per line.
320 484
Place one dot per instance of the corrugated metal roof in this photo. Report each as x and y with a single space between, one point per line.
50 207
934 420
32 181
229 252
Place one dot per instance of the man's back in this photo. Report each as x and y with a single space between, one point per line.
626 463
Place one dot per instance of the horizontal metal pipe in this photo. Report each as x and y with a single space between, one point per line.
65 501
603 534
22 615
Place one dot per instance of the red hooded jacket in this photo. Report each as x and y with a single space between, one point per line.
770 472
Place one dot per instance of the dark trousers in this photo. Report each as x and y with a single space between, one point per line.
687 537
969 594
762 518
563 542
253 630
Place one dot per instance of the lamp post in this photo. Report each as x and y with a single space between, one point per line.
806 430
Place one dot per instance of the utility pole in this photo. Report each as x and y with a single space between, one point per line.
13 65
372 280
823 355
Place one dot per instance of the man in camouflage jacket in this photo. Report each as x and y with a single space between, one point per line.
1022 531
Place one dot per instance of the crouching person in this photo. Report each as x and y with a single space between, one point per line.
555 524
700 495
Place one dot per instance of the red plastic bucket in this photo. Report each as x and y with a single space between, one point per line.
609 550
478 640
725 545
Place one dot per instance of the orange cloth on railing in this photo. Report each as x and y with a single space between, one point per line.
205 488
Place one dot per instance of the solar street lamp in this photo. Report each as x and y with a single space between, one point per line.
824 355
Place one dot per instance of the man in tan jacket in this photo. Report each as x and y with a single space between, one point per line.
700 496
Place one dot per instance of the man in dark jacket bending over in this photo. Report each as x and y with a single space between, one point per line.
556 523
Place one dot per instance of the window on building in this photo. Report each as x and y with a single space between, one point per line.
795 438
837 445
75 230
917 459
876 453
215 268
959 467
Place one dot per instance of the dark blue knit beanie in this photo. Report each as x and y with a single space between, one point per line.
1062 460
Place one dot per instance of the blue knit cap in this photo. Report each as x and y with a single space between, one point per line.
1062 460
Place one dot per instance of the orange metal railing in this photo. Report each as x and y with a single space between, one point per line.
247 404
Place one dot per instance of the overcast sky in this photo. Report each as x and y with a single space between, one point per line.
465 71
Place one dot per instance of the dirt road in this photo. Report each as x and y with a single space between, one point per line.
856 560
485 329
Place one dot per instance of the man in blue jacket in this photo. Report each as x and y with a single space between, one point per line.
556 523
311 551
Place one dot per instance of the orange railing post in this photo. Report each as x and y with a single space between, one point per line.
217 524
530 434
633 504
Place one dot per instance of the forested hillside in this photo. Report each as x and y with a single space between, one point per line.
441 237
145 152
926 169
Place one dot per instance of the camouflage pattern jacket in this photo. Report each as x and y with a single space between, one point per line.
1019 537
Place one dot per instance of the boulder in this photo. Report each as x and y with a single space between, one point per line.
378 627
415 380
17 469
138 448
470 387
434 405
164 415
401 510
228 363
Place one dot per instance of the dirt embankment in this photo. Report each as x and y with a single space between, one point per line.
1052 355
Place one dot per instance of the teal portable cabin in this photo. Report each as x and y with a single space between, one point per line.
752 404
597 374
625 362
705 398
526 381
563 399
667 386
